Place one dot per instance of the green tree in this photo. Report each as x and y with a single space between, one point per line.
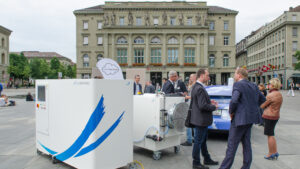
70 71
297 55
55 67
18 66
40 69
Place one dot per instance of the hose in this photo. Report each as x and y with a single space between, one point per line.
139 163
160 133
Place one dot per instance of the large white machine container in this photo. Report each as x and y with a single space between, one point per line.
157 116
86 123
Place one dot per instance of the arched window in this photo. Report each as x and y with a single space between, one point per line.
225 60
3 58
172 40
211 60
155 40
121 40
100 56
2 42
138 40
189 40
86 60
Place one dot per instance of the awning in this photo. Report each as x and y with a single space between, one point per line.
295 75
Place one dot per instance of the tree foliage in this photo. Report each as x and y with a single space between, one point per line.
297 55
38 68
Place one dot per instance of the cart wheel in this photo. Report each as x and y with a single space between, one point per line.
54 160
156 155
132 166
176 149
38 152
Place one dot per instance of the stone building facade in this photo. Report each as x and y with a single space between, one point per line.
4 53
157 36
275 44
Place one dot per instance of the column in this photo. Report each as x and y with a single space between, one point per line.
147 55
181 50
129 52
198 54
205 50
164 55
105 45
113 47
218 78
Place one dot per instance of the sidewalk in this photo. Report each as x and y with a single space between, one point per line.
18 92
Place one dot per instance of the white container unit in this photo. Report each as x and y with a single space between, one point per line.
149 120
85 123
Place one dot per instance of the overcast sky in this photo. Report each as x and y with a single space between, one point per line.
49 25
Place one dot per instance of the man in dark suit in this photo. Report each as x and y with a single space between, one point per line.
244 111
168 87
149 88
180 87
201 118
137 87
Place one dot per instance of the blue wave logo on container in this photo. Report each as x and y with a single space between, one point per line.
90 127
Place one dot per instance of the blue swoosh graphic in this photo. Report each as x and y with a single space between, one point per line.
89 128
94 145
47 149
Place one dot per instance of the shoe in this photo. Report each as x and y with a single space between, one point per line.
272 156
200 166
211 162
186 144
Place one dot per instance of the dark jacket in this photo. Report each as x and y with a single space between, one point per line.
181 88
134 88
201 107
168 87
149 89
245 102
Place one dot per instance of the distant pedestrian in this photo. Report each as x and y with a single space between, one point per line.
262 88
29 97
244 111
291 87
271 116
189 134
149 88
137 87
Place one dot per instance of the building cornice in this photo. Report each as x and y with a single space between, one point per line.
273 30
156 27
5 30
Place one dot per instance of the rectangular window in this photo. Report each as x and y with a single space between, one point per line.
295 31
225 61
138 55
294 18
155 21
85 25
282 47
189 21
138 21
172 55
226 40
189 55
100 40
295 45
211 40
226 23
211 61
99 25
122 22
122 55
85 40
211 25
172 21
156 55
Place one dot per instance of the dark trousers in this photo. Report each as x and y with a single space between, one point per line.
237 135
200 138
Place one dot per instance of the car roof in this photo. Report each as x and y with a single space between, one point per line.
219 90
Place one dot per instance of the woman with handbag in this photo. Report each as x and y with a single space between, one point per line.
271 116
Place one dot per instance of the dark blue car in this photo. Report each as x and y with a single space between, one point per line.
221 118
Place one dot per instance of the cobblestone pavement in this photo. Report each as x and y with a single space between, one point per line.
17 141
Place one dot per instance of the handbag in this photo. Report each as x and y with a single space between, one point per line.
188 118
